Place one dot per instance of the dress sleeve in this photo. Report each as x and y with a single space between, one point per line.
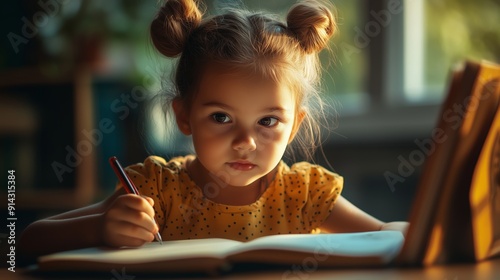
323 188
148 178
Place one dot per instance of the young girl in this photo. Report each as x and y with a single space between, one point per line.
245 84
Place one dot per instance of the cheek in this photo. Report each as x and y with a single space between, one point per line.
270 137
210 136
209 141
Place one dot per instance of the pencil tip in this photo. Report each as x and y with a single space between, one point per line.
158 237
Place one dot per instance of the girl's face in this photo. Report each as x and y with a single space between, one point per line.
240 126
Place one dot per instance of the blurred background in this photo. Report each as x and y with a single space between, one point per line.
78 80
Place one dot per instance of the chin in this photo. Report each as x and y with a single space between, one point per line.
240 182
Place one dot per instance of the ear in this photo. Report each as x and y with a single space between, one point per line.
299 117
181 116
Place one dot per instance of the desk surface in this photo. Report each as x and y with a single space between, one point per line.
484 270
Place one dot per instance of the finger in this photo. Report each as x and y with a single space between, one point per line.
149 199
119 233
122 240
138 203
135 217
134 232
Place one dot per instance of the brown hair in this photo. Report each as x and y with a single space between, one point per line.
256 42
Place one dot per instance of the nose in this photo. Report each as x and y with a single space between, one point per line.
244 142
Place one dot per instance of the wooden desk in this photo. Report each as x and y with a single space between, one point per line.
483 271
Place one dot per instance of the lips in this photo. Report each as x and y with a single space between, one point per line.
242 165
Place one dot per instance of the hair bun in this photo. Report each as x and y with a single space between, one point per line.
312 24
173 24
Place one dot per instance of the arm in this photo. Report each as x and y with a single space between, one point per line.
75 229
346 217
70 230
120 220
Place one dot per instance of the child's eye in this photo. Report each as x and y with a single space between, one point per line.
221 118
268 121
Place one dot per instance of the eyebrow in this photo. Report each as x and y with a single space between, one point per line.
225 106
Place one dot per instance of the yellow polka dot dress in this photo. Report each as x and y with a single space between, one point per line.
298 200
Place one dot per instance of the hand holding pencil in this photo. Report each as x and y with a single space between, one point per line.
129 220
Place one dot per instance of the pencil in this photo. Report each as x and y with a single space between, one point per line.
128 185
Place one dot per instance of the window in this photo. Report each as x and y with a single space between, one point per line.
436 35
453 31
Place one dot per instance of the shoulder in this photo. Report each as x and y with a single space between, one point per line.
309 183
156 170
309 173
313 189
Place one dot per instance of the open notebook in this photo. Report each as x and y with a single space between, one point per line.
455 215
213 254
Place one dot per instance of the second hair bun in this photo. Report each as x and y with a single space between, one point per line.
312 24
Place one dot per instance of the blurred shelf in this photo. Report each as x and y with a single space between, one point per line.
20 112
